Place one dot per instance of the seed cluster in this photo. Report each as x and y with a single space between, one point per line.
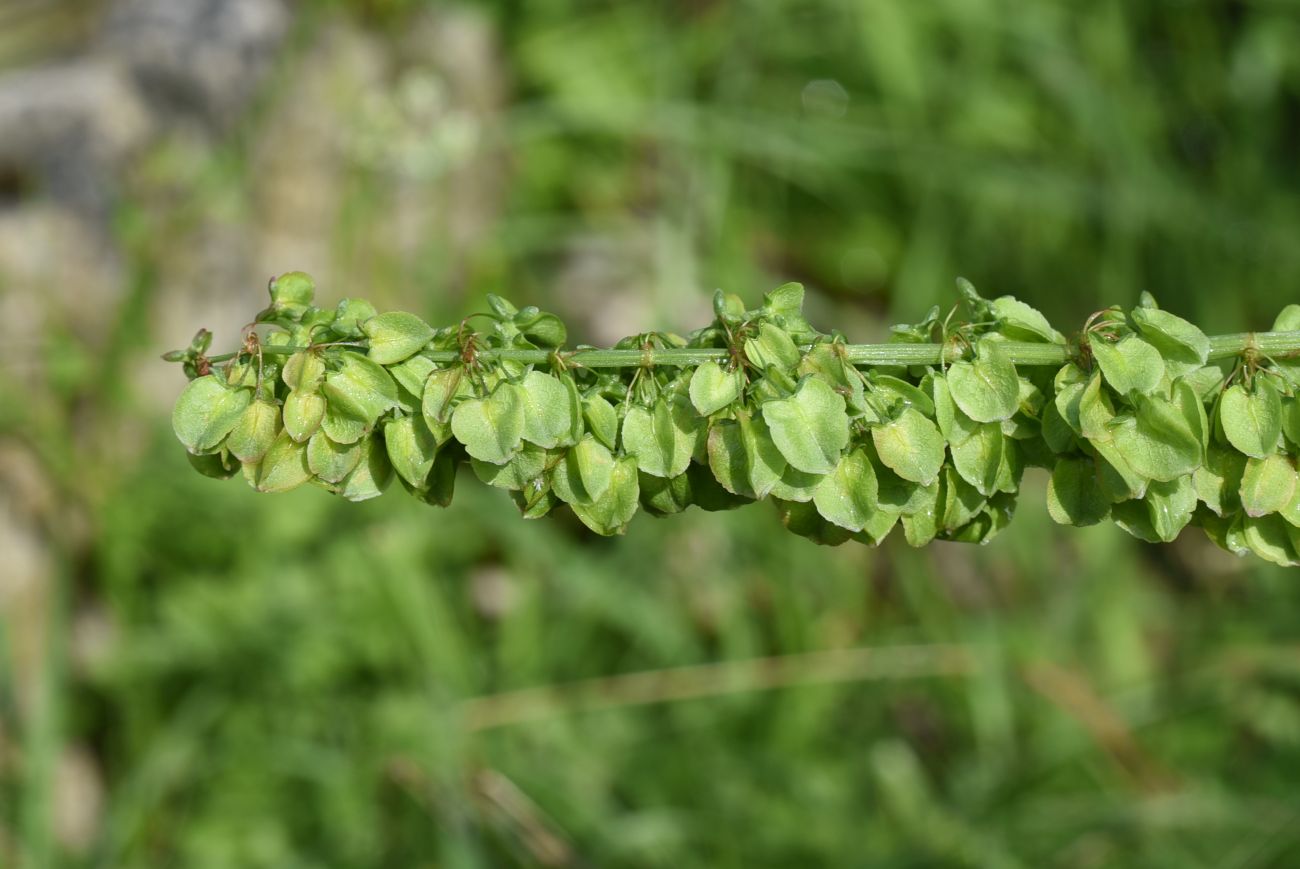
1137 420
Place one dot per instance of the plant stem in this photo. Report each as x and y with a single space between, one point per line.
1024 353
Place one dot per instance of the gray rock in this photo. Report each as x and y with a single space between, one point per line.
197 58
67 128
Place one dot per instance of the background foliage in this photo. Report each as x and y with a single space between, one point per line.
196 675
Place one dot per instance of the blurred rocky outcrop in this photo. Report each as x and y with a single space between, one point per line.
139 191
73 130
199 59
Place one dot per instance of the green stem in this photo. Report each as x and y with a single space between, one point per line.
1021 353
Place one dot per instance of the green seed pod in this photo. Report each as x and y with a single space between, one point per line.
255 431
1131 365
292 293
911 446
411 448
395 336
610 513
1267 485
987 390
303 413
206 412
491 428
713 389
809 428
1252 420
304 371
844 453
331 461
551 412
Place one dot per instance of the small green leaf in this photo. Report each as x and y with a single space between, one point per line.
1267 485
1118 480
1206 382
303 413
602 420
546 330
594 464
349 314
804 520
548 410
1130 365
961 502
847 496
921 527
284 466
1272 539
360 388
1288 319
371 476
665 497
342 427
585 472
911 445
1157 440
206 411
1291 419
1290 511
743 458
292 292
1020 322
411 448
825 362
986 390
524 472
1189 404
220 465
443 390
441 484
795 485
712 389
878 526
1218 480
899 393
1069 402
1183 346
1073 494
978 459
413 375
255 431
1095 411
1135 518
1252 421
331 461
955 425
810 428
660 448
772 347
1169 507
574 409
304 371
396 335
1057 434
785 301
611 512
491 428
534 503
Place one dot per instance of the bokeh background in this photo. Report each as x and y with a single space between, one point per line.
194 675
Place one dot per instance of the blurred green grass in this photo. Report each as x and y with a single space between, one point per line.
293 681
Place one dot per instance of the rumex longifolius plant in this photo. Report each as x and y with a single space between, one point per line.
1142 420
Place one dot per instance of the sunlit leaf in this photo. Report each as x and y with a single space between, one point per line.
810 428
206 411
987 390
